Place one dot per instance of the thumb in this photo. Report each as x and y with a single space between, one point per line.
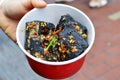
29 4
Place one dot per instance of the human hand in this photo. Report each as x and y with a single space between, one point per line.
11 12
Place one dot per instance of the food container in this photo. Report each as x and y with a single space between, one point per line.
52 13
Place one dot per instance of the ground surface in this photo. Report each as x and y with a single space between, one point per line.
102 62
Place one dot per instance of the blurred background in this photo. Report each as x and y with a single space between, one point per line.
102 62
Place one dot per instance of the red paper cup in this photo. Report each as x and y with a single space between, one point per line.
52 13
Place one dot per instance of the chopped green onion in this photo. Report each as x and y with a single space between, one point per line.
52 43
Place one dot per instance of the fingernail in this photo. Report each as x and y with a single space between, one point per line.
41 1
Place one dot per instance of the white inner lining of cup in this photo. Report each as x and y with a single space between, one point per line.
52 13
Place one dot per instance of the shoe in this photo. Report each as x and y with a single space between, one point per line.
63 0
97 3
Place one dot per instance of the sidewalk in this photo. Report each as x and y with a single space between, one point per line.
102 62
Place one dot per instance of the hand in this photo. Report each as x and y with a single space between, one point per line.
11 12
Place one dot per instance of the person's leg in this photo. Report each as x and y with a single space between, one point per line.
97 3
63 0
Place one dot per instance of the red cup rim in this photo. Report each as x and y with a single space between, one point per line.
63 62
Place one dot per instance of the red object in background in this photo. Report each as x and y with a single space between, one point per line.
56 71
